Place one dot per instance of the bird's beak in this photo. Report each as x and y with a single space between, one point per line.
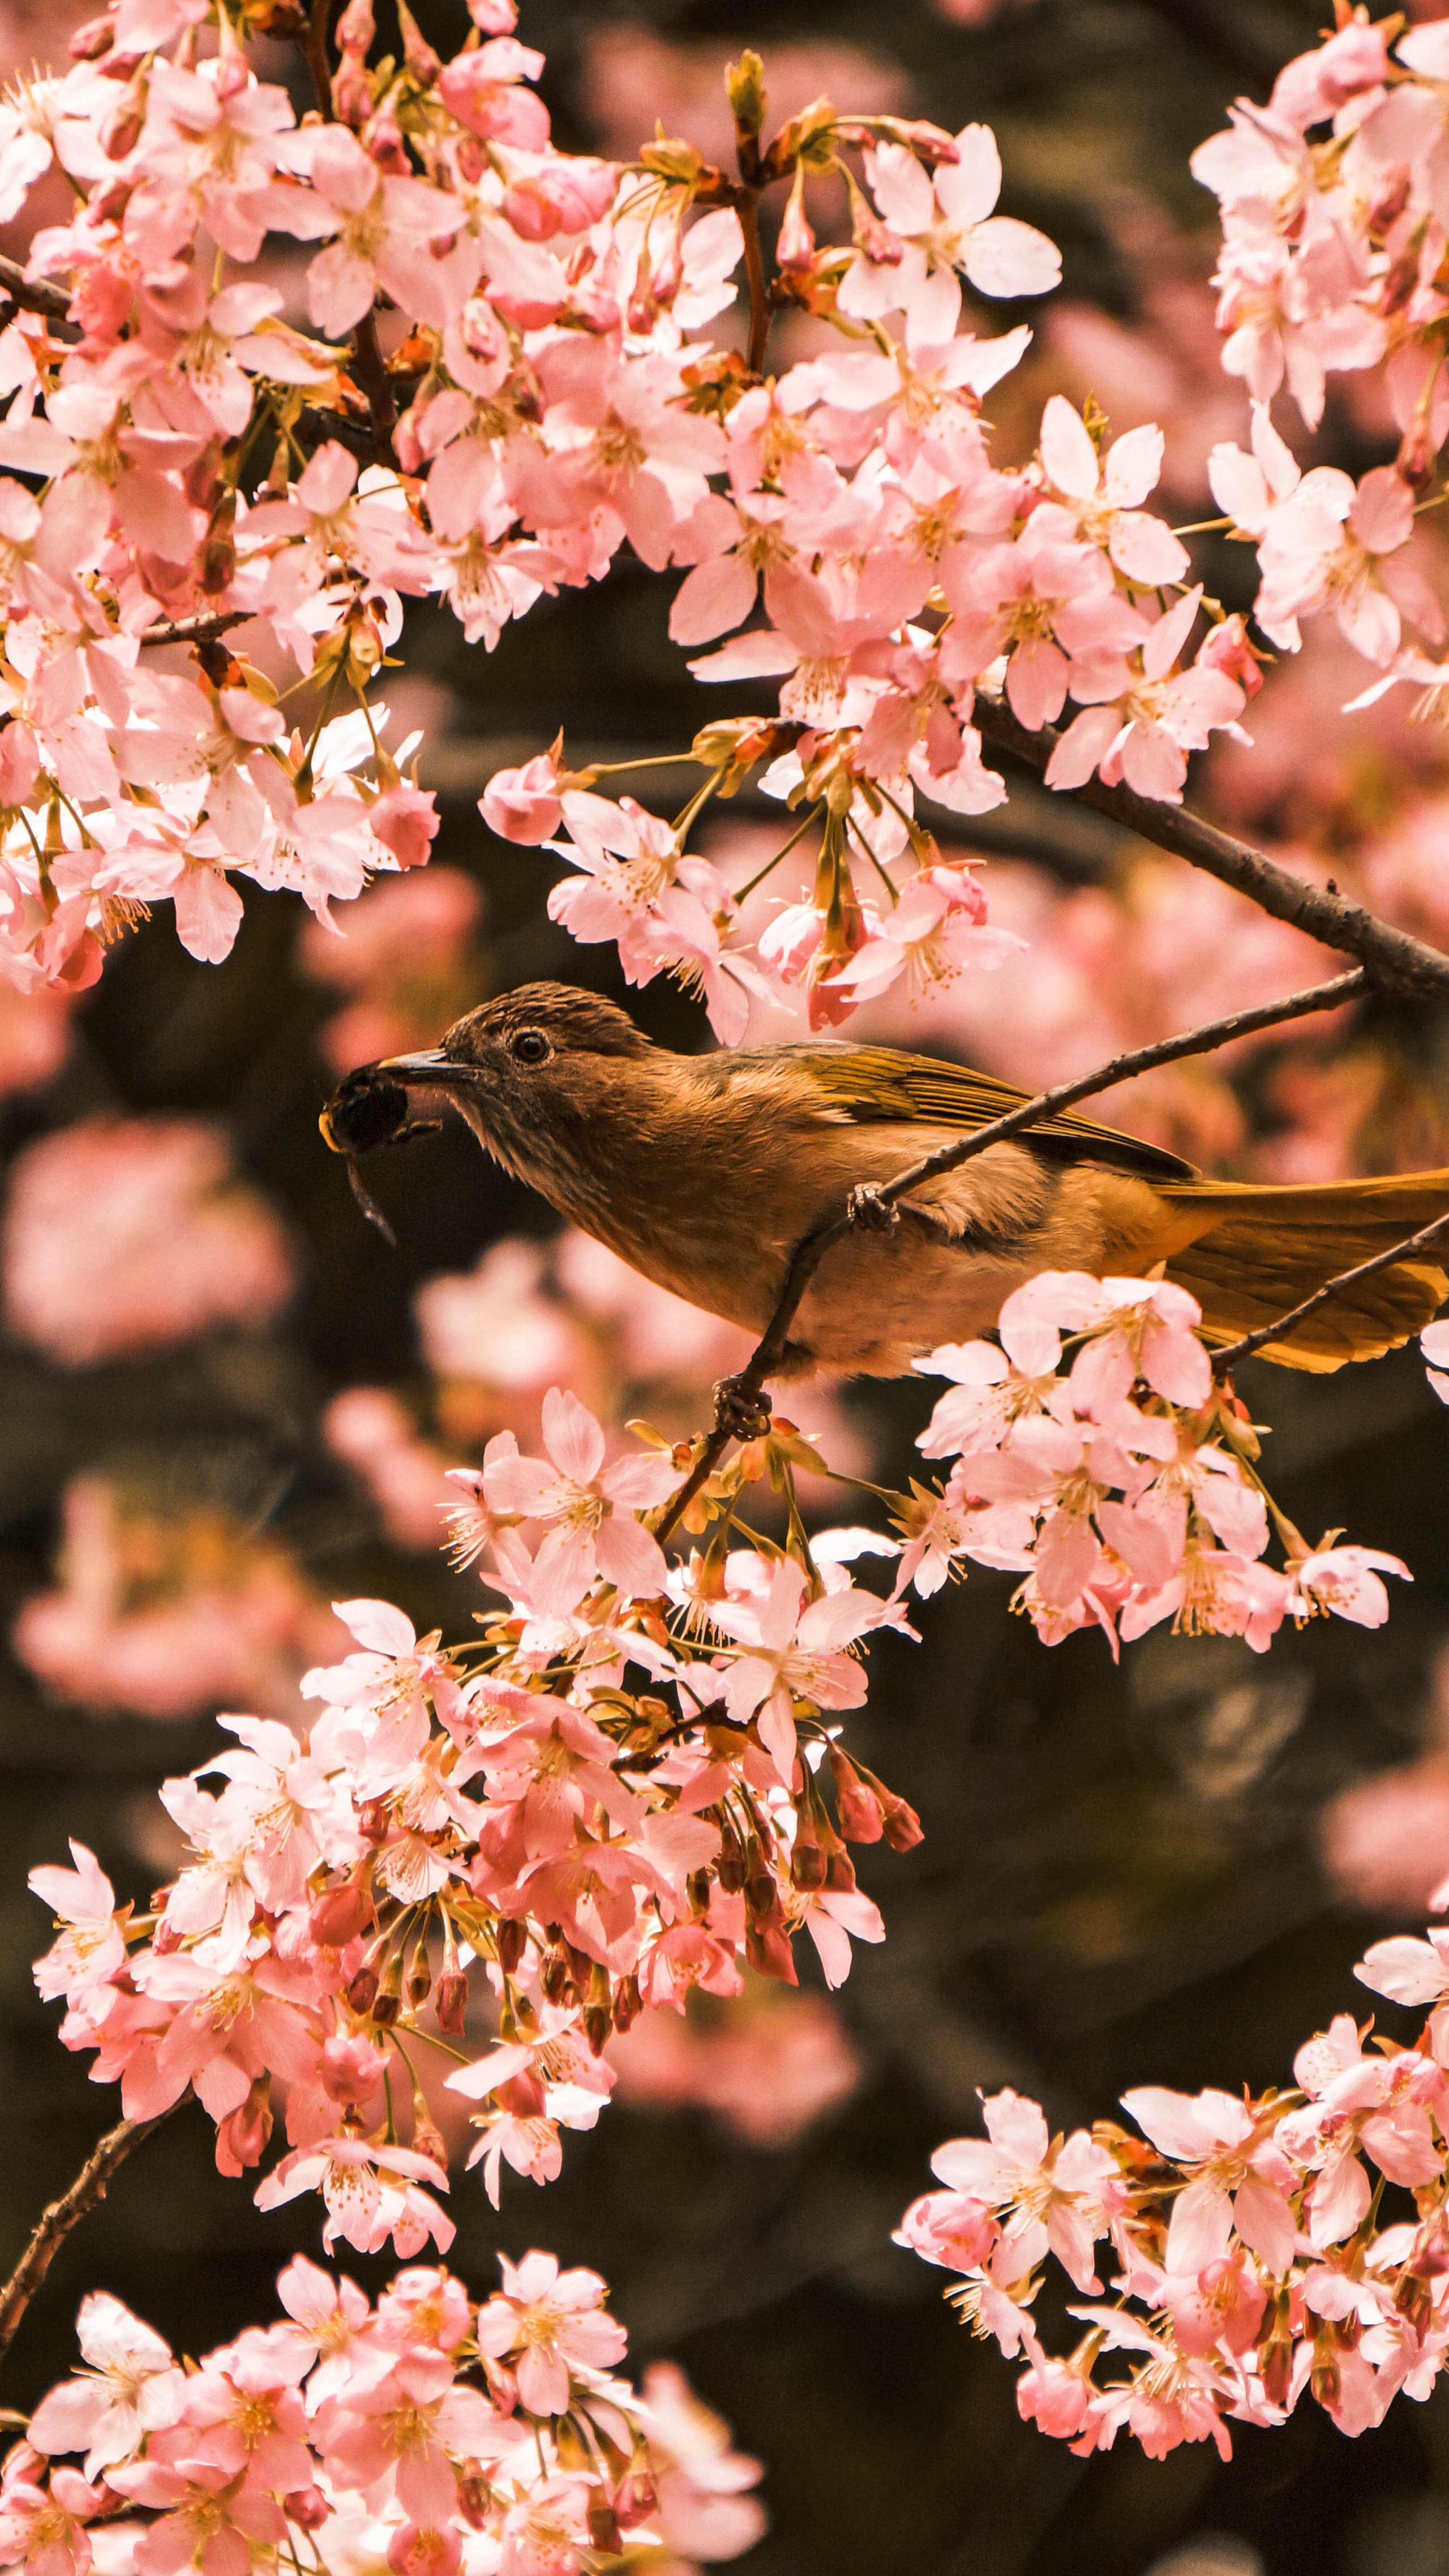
430 1068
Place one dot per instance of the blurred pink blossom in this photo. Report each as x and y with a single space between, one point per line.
124 1235
35 1036
1163 366
373 1431
977 13
165 1617
656 1335
767 2068
1385 1841
531 1316
407 954
496 1325
634 76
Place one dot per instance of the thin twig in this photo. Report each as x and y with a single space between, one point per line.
358 435
739 1394
1395 961
747 206
196 630
85 2194
371 366
371 370
33 294
1232 1352
314 46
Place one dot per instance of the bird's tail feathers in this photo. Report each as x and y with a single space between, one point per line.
1258 1251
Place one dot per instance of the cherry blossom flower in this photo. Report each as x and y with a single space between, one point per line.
936 225
131 2387
1057 2193
589 1507
553 2322
91 1946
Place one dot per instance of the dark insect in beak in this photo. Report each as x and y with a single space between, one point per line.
368 1110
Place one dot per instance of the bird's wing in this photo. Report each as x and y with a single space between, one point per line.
880 1085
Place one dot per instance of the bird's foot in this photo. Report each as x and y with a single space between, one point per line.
740 1409
866 1208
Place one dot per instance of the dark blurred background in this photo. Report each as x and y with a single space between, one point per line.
1161 1873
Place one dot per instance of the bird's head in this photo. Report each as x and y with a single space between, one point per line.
520 1069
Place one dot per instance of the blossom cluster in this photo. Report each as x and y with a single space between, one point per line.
1271 2246
1123 1486
1333 246
433 2432
208 505
598 1847
589 1848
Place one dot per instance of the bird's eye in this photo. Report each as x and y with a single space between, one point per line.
530 1047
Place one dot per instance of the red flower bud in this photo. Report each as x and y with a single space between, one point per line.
307 2507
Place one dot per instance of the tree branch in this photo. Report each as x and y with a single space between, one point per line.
738 1398
196 630
371 366
85 2194
372 375
1395 962
1232 1352
314 46
747 206
33 294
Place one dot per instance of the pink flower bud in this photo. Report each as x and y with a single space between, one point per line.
307 2507
1226 648
450 1998
524 804
1055 2397
352 100
119 133
340 1913
795 247
241 2138
405 820
96 37
351 2071
858 1807
903 1827
532 210
383 143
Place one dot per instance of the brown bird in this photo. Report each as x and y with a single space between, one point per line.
704 1171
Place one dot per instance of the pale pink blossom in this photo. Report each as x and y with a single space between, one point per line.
589 1507
1056 2194
122 1235
553 2321
936 225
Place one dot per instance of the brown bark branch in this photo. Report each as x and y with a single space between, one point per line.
1396 962
739 1398
371 366
314 46
33 294
1232 1352
747 206
196 630
372 375
85 2194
